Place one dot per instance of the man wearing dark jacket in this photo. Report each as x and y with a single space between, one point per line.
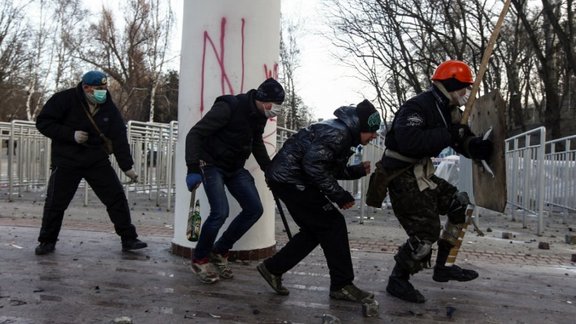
78 153
423 126
217 148
304 176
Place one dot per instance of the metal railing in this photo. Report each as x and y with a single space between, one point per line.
25 165
539 174
153 150
525 175
560 175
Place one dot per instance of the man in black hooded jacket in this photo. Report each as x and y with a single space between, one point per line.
304 176
217 148
78 153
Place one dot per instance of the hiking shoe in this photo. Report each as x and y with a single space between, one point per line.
220 261
403 289
443 274
352 293
204 271
45 248
133 244
273 280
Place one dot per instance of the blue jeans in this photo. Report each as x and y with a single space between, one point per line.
240 184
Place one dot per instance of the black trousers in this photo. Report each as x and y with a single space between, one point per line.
321 223
62 186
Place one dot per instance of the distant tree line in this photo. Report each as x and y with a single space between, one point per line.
395 46
46 46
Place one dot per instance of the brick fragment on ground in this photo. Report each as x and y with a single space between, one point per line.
543 246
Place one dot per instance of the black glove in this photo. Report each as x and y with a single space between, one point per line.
342 198
480 149
459 132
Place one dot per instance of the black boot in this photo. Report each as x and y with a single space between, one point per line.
133 244
442 273
45 248
399 286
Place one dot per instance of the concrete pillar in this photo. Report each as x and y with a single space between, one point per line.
228 47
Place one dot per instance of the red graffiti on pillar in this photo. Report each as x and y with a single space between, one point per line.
226 85
273 73
219 54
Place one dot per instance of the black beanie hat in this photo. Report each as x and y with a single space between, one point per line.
454 84
369 116
270 91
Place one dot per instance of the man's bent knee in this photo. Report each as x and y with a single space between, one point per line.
414 255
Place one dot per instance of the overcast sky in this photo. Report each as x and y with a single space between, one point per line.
322 82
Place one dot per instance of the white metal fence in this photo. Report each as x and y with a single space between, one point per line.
560 175
25 157
25 160
525 175
539 174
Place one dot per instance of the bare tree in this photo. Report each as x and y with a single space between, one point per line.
157 44
132 54
295 113
41 49
68 15
545 44
13 60
396 44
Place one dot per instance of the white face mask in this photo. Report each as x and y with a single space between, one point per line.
273 112
464 99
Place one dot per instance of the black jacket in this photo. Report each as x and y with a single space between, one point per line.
318 155
226 136
420 128
64 113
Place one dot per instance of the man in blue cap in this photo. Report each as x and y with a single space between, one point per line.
85 126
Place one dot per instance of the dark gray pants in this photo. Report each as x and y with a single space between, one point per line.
62 186
321 223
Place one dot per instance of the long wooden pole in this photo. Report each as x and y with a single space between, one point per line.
468 109
484 63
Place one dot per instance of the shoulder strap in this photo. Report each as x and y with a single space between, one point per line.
92 120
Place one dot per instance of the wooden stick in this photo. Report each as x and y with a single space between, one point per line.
468 109
484 63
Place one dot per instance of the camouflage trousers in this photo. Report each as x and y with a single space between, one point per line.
419 211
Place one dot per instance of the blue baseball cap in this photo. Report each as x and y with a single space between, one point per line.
95 78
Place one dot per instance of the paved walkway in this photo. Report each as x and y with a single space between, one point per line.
89 280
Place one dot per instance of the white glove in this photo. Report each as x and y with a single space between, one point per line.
80 136
132 175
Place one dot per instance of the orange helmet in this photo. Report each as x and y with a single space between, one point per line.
453 69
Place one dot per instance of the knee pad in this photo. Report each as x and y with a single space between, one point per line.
414 255
451 232
457 209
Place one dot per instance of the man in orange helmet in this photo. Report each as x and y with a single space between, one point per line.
423 126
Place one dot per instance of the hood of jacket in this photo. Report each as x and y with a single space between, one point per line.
348 116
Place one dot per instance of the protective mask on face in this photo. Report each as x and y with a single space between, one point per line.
99 96
464 99
273 112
